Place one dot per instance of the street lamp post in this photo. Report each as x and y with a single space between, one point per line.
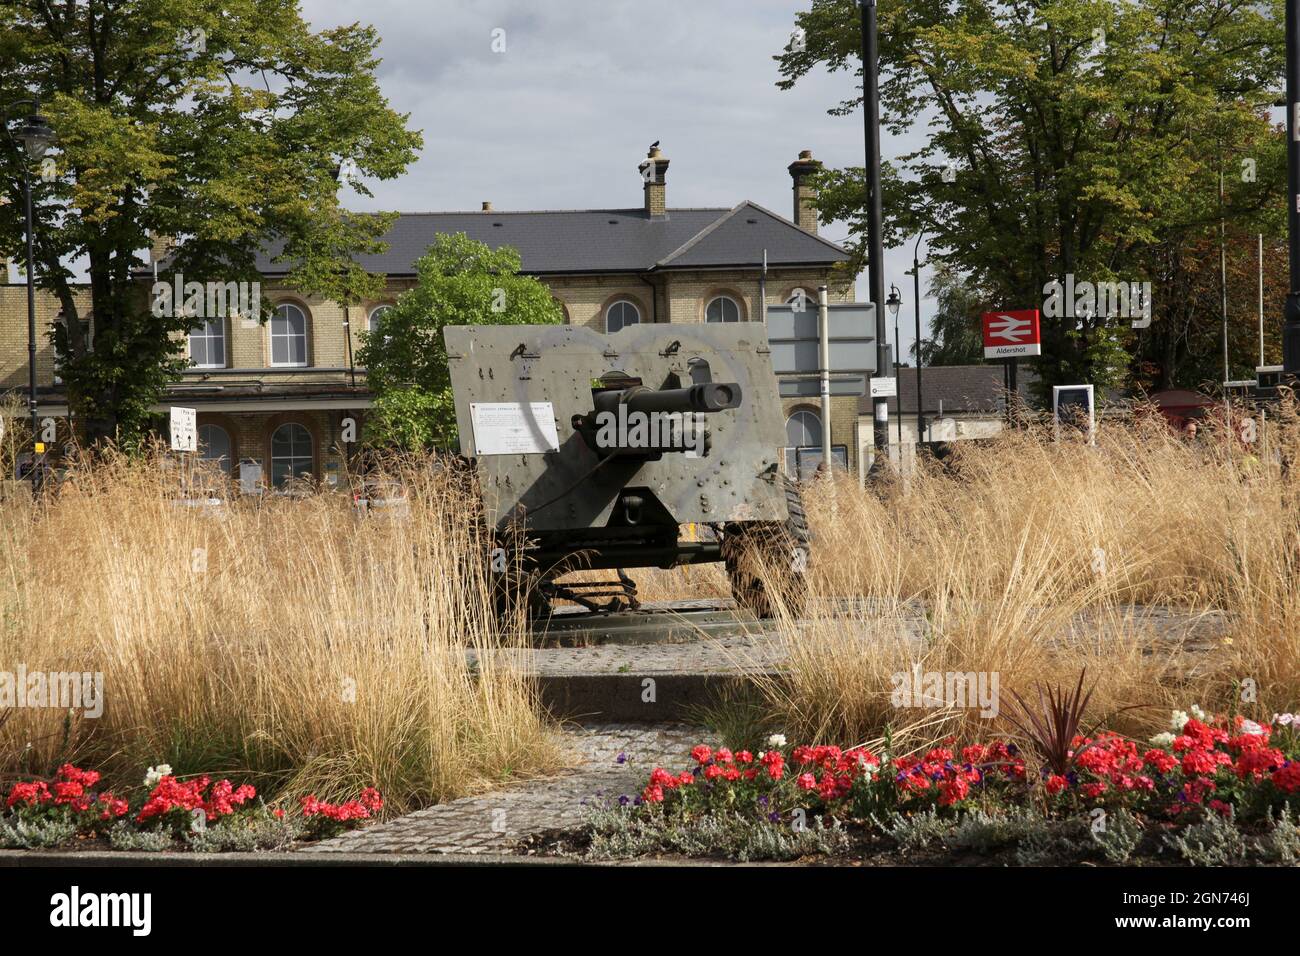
892 303
35 135
916 291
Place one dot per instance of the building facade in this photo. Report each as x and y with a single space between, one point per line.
285 399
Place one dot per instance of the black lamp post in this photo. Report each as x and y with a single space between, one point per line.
35 135
916 286
892 303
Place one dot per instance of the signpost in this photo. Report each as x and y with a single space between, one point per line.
184 432
1010 335
821 352
1073 407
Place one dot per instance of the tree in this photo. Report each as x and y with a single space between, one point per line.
460 281
955 334
1071 137
221 124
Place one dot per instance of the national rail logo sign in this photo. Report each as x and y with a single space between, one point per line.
1011 334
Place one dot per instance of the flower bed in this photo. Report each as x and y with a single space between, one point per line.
167 812
1204 771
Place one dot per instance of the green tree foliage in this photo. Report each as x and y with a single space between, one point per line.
1080 137
460 281
217 123
955 335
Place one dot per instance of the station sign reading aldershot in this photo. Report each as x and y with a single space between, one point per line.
1011 334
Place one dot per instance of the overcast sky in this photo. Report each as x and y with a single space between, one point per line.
561 118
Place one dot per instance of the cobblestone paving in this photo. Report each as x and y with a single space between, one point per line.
494 822
764 651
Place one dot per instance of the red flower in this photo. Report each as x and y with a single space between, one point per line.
1160 760
806 781
744 756
701 753
953 791
653 794
1056 783
723 755
1287 778
1198 762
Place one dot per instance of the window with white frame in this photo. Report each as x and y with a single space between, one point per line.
722 308
291 454
803 429
288 335
375 315
621 314
208 343
215 446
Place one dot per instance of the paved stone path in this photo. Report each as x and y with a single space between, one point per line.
755 649
494 822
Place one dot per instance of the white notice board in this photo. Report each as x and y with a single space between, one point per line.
513 428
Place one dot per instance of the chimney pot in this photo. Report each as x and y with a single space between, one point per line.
654 172
487 205
801 171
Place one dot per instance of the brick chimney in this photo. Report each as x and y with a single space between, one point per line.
654 172
801 171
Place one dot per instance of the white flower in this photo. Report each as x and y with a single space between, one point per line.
1285 720
155 774
776 740
1198 713
1179 721
1250 727
1163 740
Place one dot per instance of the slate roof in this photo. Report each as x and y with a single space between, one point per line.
582 241
962 388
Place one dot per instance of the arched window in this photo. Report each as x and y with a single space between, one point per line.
803 429
208 343
214 446
621 314
375 315
722 308
288 336
291 454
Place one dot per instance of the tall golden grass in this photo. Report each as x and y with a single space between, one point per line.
302 644
1026 558
295 643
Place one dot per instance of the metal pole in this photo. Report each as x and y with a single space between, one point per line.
916 291
1291 312
1223 279
898 347
31 329
1261 299
875 248
824 370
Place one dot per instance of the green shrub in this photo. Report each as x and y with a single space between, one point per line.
1214 842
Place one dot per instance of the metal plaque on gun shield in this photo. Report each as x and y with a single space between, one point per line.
514 428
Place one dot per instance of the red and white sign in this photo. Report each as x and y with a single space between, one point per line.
1011 334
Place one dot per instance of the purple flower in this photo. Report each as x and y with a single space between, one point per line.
774 817
621 758
623 800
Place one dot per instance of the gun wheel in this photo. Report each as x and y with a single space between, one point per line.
767 561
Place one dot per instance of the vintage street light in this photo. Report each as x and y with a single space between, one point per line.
35 135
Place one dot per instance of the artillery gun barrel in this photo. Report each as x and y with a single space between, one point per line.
706 397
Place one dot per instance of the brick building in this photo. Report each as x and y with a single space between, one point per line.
277 399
